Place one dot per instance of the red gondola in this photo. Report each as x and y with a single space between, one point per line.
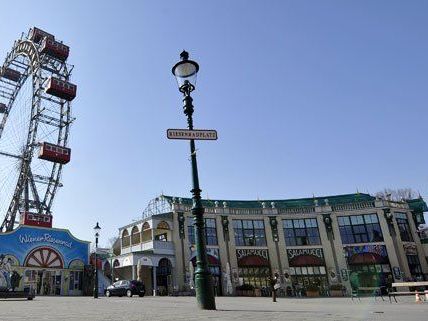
54 153
37 35
55 49
35 219
61 88
11 74
3 108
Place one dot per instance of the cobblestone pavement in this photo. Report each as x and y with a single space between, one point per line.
228 308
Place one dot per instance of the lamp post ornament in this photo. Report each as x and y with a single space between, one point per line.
185 73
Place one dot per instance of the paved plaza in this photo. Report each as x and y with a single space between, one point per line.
228 308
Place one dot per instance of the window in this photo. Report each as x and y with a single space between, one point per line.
301 232
75 280
161 237
360 229
210 231
414 265
404 228
135 235
256 276
249 232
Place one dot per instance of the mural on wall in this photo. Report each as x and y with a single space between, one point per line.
376 249
9 279
41 248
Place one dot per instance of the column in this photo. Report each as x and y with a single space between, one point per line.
154 283
134 272
271 245
331 244
421 254
390 243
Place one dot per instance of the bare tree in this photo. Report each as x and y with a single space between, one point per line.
399 194
111 241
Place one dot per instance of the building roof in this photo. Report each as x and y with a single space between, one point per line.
287 203
418 205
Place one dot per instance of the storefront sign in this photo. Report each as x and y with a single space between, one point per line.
240 253
410 249
145 261
299 252
27 238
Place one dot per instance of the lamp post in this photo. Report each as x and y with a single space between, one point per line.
97 230
185 72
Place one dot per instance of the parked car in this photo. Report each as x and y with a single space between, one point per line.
126 287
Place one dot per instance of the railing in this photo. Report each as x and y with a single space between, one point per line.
353 206
157 245
296 210
247 211
150 246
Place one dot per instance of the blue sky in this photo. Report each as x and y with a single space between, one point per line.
308 97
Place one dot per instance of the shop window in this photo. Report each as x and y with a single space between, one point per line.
301 232
360 229
249 232
308 270
404 227
257 276
210 231
75 280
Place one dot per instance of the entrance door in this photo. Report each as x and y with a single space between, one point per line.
162 272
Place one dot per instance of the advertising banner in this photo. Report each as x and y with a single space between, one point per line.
43 247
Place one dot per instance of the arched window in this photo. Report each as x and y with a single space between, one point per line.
163 226
146 226
107 268
135 235
125 238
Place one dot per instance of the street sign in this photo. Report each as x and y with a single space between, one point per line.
200 134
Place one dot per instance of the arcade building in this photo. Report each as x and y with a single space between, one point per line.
316 245
49 261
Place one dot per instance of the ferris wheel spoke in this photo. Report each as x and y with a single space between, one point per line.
11 155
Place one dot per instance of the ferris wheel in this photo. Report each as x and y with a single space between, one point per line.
35 118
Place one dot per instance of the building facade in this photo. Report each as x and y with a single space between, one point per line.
312 243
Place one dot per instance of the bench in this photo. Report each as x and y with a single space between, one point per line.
392 293
376 291
27 294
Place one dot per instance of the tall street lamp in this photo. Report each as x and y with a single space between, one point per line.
97 230
185 71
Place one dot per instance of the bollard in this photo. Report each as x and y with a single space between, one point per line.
417 297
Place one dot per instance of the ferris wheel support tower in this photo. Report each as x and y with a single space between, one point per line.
35 119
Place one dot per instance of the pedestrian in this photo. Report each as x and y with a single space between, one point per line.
274 284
